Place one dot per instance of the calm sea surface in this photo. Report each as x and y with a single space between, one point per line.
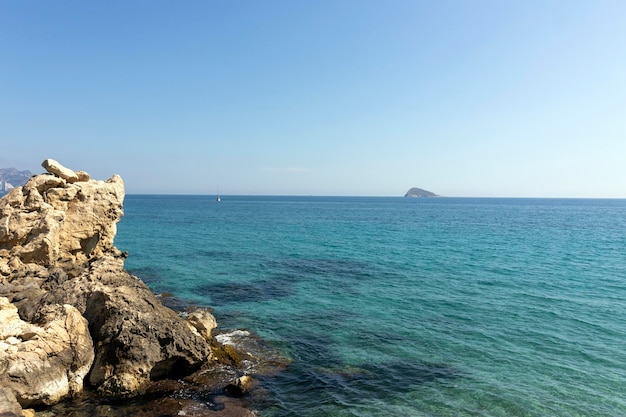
405 307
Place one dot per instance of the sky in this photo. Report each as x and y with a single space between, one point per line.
482 98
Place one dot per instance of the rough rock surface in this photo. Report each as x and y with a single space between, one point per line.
44 361
136 338
202 321
9 407
66 290
49 221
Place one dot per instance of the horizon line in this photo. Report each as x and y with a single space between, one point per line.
371 196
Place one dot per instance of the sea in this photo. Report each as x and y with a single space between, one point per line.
404 306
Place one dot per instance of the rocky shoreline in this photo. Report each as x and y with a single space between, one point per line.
77 328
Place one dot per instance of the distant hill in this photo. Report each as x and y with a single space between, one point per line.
418 192
11 178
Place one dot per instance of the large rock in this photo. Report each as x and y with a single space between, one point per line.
47 360
137 339
202 321
69 302
56 168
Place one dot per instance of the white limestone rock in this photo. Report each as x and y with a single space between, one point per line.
45 361
202 321
50 220
56 168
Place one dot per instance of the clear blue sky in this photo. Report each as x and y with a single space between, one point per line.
343 97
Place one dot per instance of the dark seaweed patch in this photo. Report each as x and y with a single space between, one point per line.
246 292
334 275
281 276
386 377
316 364
405 375
349 384
222 255
326 267
318 371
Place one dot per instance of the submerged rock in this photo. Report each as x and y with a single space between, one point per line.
241 385
70 313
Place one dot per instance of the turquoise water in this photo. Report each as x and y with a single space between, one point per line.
406 307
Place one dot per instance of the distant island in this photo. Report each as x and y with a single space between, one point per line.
11 178
418 192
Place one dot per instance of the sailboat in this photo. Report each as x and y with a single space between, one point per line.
218 199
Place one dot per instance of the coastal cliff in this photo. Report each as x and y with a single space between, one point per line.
71 316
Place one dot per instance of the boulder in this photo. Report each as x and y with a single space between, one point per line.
202 321
241 385
56 168
47 360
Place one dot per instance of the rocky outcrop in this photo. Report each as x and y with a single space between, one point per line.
418 192
70 314
136 338
50 221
